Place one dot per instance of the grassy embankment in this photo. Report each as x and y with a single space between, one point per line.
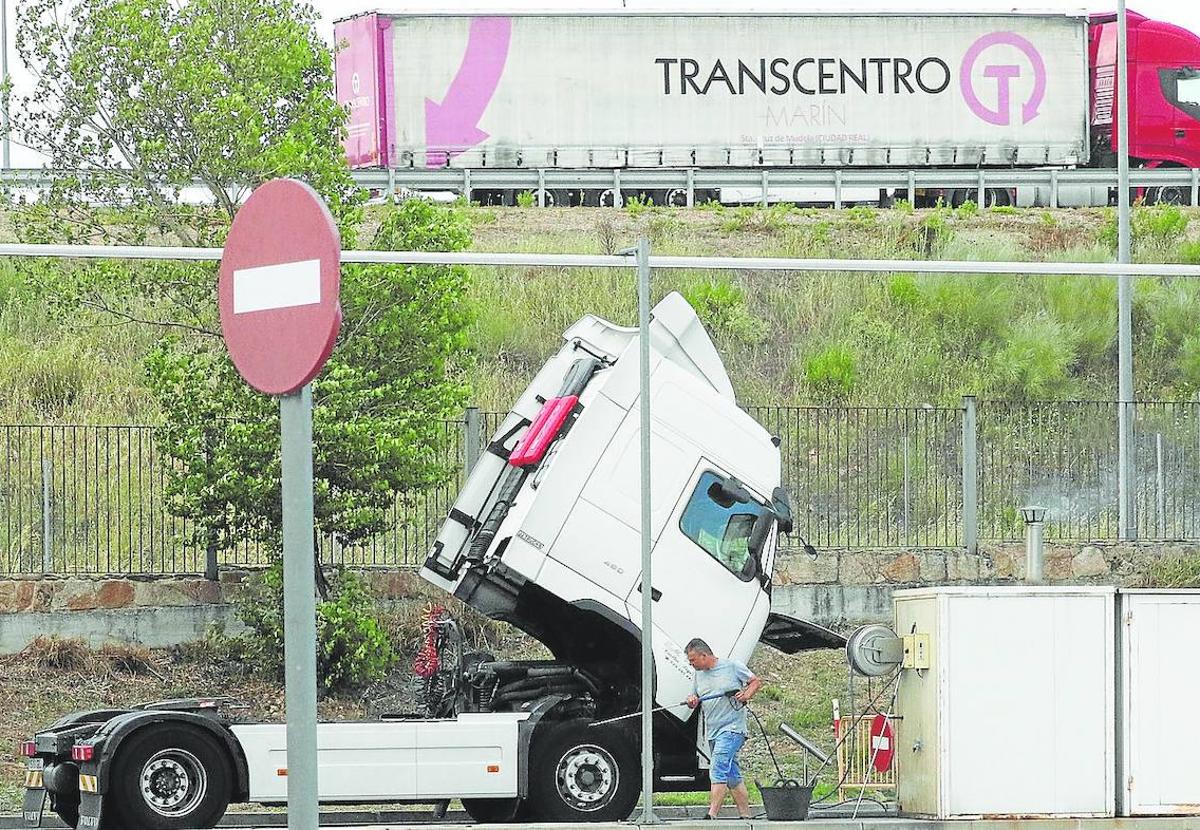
787 338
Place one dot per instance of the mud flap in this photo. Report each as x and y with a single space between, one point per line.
90 805
32 807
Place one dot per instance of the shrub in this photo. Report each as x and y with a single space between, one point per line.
638 204
966 210
903 290
720 304
832 372
742 218
862 216
1158 226
525 199
902 206
58 653
352 648
936 230
1035 361
1189 252
1005 210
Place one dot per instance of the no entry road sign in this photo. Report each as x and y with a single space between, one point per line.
883 743
278 290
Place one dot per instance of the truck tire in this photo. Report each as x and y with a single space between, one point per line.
492 810
170 777
577 773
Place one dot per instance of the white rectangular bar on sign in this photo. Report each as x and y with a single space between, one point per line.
277 286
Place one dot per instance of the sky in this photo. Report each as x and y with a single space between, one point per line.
1185 13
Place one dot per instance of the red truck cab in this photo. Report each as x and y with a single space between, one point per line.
1164 99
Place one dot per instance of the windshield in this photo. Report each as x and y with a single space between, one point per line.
722 527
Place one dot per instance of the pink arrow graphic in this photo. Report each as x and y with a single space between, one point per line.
452 125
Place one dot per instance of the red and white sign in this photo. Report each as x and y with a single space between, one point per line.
883 743
278 289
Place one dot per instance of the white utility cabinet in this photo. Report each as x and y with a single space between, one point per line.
1161 677
1007 706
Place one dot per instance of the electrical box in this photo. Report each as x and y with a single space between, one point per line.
1160 678
1006 702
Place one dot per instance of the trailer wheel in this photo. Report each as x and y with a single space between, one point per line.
579 773
169 778
492 810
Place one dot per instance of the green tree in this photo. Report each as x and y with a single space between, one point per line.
144 98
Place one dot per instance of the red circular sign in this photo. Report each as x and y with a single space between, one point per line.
883 743
278 290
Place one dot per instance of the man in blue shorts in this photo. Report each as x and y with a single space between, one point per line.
730 685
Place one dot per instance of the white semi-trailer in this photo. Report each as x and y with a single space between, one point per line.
621 89
544 535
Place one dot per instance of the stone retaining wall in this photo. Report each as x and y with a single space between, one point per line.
836 588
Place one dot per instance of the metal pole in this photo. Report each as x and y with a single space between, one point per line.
907 539
47 516
1035 555
299 609
970 477
5 144
643 266
1125 511
1160 487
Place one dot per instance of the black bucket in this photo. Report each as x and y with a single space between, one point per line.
786 800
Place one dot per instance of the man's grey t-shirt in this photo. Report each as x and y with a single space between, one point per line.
720 714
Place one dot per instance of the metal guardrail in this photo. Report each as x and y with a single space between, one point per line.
764 179
688 181
91 499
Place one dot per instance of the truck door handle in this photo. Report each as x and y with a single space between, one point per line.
1180 133
655 594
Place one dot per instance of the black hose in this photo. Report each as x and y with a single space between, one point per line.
767 741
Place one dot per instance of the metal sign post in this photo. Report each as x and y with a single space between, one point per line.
643 266
278 296
299 608
1127 521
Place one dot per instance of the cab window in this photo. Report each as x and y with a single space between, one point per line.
721 526
1181 87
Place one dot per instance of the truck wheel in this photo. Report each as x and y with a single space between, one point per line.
577 773
169 778
492 810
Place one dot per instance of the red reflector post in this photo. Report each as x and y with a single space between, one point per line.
82 752
542 432
28 748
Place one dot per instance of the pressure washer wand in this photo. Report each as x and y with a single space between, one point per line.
660 708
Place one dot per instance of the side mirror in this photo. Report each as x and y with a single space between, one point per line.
758 535
727 492
781 506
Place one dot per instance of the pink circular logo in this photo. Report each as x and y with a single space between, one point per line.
1003 74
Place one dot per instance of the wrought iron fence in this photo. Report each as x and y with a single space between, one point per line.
91 499
871 476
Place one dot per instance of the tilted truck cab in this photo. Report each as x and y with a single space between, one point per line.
545 534
550 541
